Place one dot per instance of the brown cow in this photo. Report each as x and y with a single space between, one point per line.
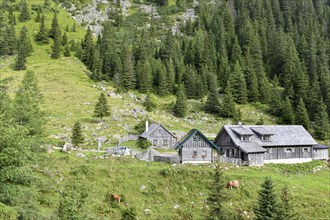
233 184
116 198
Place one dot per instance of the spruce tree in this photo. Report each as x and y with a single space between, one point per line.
149 103
42 36
77 136
287 112
55 26
302 115
101 108
266 207
56 47
24 11
228 108
66 52
321 126
286 210
212 104
27 101
11 16
64 39
218 195
180 108
144 74
11 40
24 48
38 17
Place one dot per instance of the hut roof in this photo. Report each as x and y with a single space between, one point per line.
153 127
282 135
189 135
321 146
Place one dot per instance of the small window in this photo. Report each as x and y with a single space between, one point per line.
305 149
196 138
204 153
289 150
270 150
194 154
165 142
245 138
265 138
154 142
227 139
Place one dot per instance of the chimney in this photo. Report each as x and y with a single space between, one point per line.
240 123
147 125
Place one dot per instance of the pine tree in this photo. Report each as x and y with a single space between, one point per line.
56 47
42 36
24 12
228 108
11 16
266 207
286 210
322 128
144 76
302 115
180 108
64 39
73 29
11 40
217 196
24 48
287 112
101 108
26 109
149 103
212 104
38 17
238 84
55 26
66 52
77 136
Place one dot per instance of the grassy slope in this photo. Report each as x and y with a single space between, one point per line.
183 185
69 96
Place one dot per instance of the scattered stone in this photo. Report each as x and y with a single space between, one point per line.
147 211
81 155
67 147
176 206
143 187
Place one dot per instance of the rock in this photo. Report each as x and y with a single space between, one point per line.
117 136
226 168
143 187
67 147
147 211
176 206
81 155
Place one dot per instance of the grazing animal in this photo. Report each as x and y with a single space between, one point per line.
116 198
233 184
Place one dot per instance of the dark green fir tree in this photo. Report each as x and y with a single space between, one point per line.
149 103
42 36
302 115
24 48
321 126
228 108
180 108
287 112
56 47
266 207
212 104
55 26
101 108
286 209
77 136
24 11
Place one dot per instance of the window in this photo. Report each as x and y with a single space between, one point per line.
204 153
194 154
265 138
227 139
245 138
289 150
196 138
165 142
305 149
154 142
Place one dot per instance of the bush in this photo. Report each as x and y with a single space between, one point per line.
143 143
7 212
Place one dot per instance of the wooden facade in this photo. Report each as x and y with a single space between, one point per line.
196 148
159 136
256 145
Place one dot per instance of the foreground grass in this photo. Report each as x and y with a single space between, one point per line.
159 187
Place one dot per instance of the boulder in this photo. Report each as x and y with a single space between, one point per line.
81 155
67 147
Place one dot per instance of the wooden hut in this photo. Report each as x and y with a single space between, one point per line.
259 144
159 136
321 152
195 147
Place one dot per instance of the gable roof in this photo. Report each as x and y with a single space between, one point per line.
152 128
321 146
282 135
189 135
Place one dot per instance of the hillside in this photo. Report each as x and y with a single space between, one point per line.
210 50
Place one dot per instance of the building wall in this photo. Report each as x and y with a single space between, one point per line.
256 159
284 152
199 146
320 154
227 147
161 138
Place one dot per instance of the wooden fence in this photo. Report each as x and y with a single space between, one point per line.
234 161
130 137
